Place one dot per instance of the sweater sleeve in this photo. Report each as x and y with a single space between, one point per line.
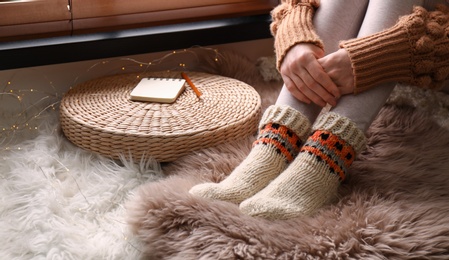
414 51
292 24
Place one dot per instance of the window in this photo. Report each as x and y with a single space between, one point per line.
39 18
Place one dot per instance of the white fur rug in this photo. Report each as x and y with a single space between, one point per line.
60 202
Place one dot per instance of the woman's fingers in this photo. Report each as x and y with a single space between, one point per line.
306 79
323 79
318 84
291 86
338 66
308 87
307 90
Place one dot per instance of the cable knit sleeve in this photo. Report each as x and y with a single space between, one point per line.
292 24
414 51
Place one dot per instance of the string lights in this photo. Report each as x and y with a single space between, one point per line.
24 106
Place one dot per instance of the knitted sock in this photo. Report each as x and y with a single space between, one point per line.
313 178
282 130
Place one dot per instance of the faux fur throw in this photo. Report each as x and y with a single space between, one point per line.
395 204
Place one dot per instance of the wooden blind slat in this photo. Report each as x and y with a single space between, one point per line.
16 13
163 13
99 8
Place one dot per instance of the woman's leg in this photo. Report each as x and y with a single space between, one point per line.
285 126
364 107
313 178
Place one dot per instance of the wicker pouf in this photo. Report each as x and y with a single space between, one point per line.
98 115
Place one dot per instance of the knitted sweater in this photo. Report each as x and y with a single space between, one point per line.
414 51
292 24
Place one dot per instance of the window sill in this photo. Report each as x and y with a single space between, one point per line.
46 51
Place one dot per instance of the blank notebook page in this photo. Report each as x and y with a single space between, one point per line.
162 90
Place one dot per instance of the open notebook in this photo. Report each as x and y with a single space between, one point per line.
162 90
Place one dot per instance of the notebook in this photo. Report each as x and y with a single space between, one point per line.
162 90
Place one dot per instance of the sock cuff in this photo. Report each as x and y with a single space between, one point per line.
343 127
288 117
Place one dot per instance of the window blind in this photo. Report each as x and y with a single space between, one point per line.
40 18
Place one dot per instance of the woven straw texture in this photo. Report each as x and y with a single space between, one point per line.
98 115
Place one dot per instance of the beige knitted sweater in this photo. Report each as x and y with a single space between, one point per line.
414 51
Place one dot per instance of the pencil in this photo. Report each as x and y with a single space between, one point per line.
195 89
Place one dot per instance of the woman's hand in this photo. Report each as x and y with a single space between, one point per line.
305 77
338 67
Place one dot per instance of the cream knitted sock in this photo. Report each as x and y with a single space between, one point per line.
313 178
282 131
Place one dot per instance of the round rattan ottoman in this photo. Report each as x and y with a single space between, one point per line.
99 116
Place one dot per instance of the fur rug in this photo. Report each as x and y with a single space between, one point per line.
58 201
395 204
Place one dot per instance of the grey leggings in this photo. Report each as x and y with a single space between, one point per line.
338 20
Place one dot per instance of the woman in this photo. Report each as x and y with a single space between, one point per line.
302 155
